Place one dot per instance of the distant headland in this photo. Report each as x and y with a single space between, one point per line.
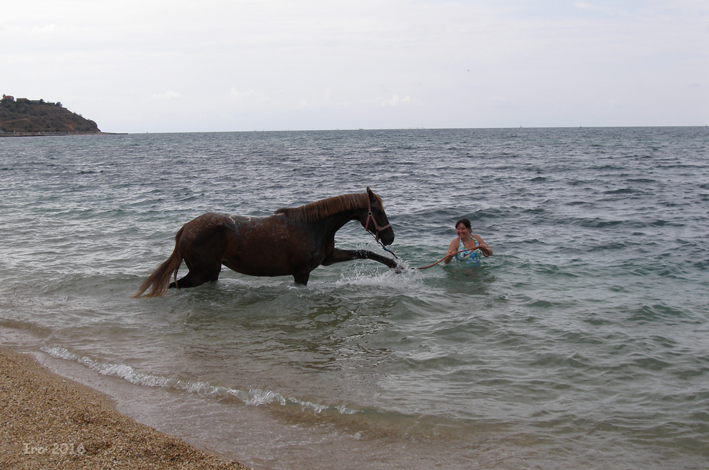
24 117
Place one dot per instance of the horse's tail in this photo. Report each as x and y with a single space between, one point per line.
160 279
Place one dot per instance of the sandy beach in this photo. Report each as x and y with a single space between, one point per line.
47 421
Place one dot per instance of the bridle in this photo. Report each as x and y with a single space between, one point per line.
377 228
370 216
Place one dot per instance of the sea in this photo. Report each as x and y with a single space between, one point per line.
582 342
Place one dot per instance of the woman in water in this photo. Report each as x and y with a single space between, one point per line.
468 241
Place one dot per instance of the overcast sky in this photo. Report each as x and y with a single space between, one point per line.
232 65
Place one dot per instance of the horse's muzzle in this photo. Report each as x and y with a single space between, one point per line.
386 236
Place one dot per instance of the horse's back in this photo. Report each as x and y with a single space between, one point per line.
267 246
257 246
204 227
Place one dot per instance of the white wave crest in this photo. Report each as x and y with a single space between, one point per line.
254 397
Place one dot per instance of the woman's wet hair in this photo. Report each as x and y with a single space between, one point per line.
465 222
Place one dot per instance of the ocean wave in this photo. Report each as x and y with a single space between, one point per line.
252 397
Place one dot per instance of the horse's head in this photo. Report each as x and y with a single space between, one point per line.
376 221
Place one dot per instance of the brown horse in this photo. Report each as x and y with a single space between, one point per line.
292 241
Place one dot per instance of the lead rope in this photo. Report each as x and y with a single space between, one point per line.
376 238
432 265
419 268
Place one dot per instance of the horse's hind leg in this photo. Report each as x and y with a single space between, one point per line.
201 247
198 276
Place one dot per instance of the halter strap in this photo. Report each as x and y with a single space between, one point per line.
370 216
377 228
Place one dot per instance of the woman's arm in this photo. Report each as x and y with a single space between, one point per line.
452 248
484 248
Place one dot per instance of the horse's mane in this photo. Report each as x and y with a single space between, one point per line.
319 210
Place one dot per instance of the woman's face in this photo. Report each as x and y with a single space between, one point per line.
462 231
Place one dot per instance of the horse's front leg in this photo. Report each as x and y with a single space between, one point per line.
338 256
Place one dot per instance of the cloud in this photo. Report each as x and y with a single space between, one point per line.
249 101
603 9
237 95
44 29
168 95
317 64
396 100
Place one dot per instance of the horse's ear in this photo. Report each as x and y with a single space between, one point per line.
370 193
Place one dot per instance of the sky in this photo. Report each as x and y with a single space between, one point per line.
231 65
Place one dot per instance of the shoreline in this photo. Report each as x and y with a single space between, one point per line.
55 134
49 421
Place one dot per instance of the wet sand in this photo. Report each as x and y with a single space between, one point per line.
47 421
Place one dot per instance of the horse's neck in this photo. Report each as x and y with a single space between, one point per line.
335 222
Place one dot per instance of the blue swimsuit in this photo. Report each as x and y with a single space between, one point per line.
470 256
